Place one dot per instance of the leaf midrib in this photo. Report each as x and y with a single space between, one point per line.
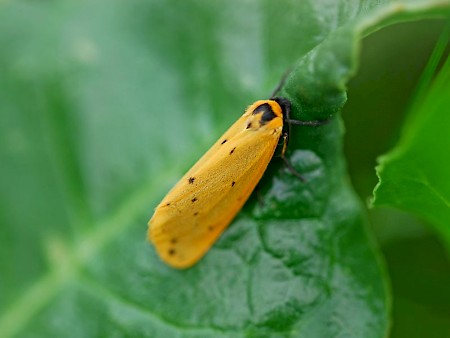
39 293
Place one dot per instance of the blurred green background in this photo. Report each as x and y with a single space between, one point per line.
46 79
392 61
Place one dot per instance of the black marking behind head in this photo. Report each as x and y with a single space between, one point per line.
285 105
267 113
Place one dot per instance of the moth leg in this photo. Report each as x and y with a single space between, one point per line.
286 161
314 123
259 196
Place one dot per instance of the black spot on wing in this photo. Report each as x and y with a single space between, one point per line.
191 180
232 150
194 199
171 252
224 141
267 113
233 183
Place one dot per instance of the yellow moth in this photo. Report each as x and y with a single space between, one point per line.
202 204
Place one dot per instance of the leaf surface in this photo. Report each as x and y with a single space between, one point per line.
105 104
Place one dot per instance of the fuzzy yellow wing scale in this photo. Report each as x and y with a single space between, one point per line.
201 205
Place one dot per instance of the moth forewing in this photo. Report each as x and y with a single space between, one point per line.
201 205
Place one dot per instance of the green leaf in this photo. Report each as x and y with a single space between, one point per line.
414 175
391 62
105 104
